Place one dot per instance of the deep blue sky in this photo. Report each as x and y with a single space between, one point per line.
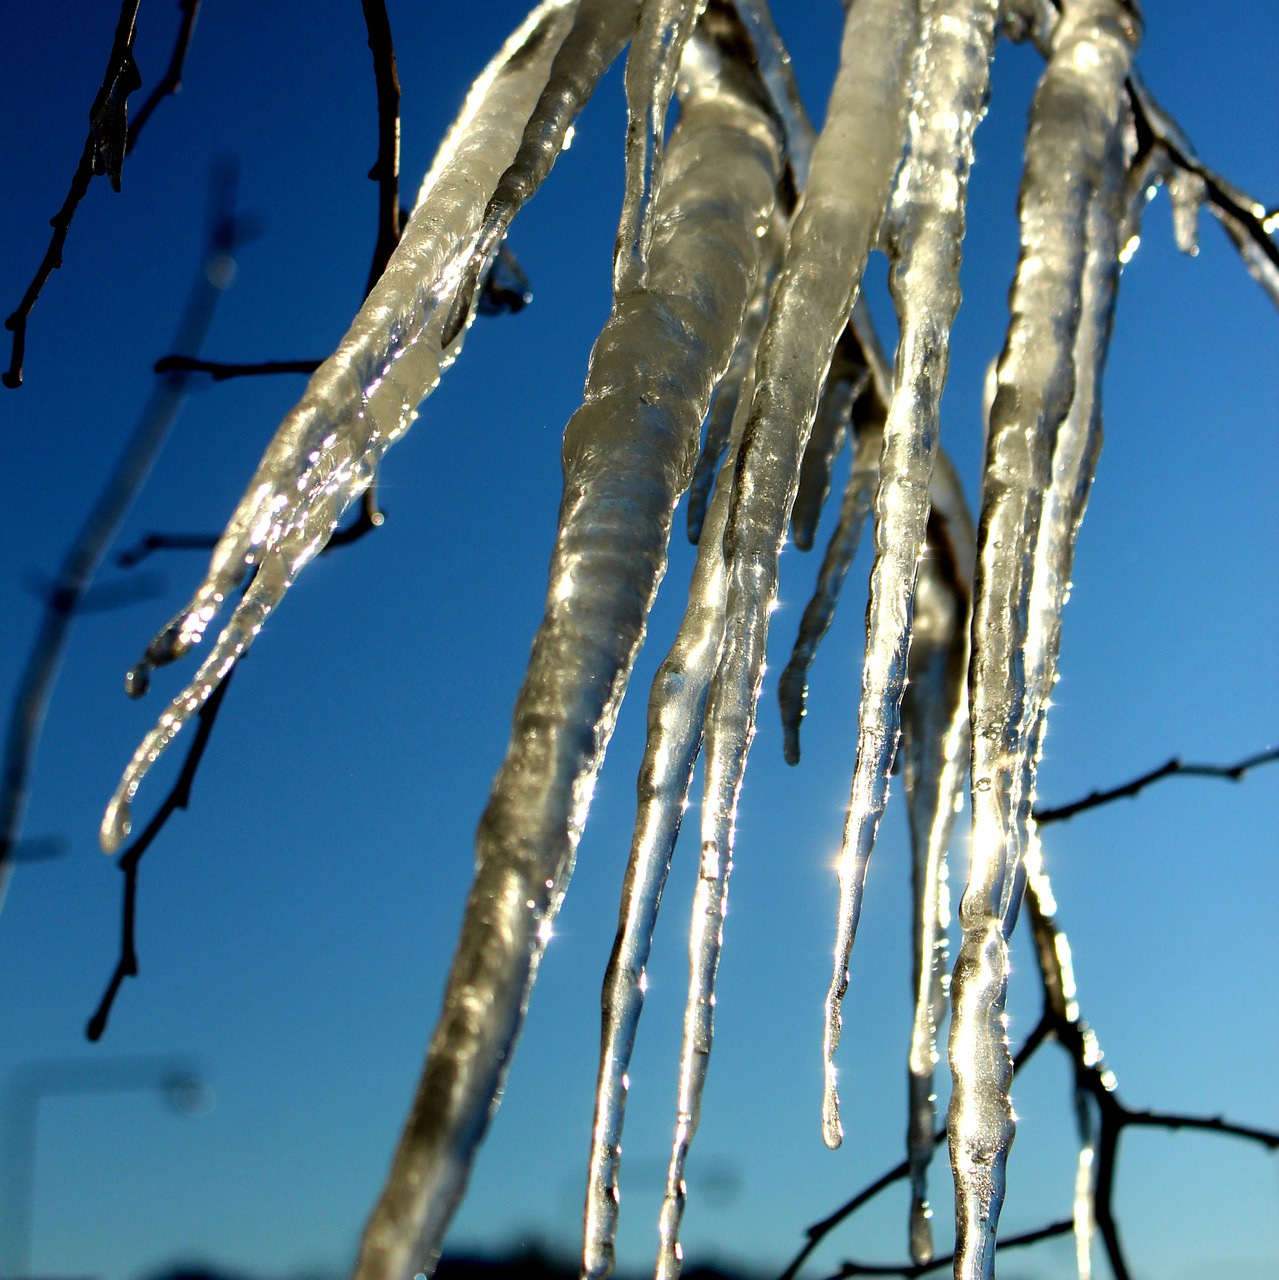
296 924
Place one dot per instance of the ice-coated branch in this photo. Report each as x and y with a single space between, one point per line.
1175 767
361 400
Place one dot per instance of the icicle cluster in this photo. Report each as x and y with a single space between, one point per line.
739 256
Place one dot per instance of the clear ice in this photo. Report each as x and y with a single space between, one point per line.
739 255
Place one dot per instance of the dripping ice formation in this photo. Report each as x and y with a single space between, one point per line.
741 244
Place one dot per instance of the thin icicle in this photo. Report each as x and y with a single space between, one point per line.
834 229
819 612
934 761
845 382
676 712
1076 111
779 75
927 229
664 28
600 30
628 454
360 401
728 395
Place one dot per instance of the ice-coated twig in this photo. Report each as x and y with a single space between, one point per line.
599 31
831 237
676 713
935 750
628 455
819 612
1075 114
362 399
926 232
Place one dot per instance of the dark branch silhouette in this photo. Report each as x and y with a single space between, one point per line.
171 82
220 372
1170 768
910 1269
110 139
65 596
386 170
178 798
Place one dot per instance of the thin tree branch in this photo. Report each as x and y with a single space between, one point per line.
179 797
386 169
1170 768
103 153
171 82
911 1269
82 559
220 372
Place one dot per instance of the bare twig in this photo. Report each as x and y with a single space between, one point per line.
103 153
1170 768
911 1269
82 559
386 170
221 372
178 798
171 81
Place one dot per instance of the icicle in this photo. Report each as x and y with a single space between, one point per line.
360 401
859 494
728 395
830 241
676 711
1186 190
927 230
779 76
845 382
600 30
935 759
664 27
628 454
1076 110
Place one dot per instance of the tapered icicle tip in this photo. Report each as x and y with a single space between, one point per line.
832 1129
117 822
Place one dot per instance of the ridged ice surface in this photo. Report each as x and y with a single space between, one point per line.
359 402
628 455
1076 111
935 745
925 233
676 712
831 236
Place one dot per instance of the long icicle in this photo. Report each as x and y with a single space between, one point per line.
1074 465
831 238
927 231
676 711
935 749
628 454
359 402
1076 109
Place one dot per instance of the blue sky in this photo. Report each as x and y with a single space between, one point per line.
296 924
